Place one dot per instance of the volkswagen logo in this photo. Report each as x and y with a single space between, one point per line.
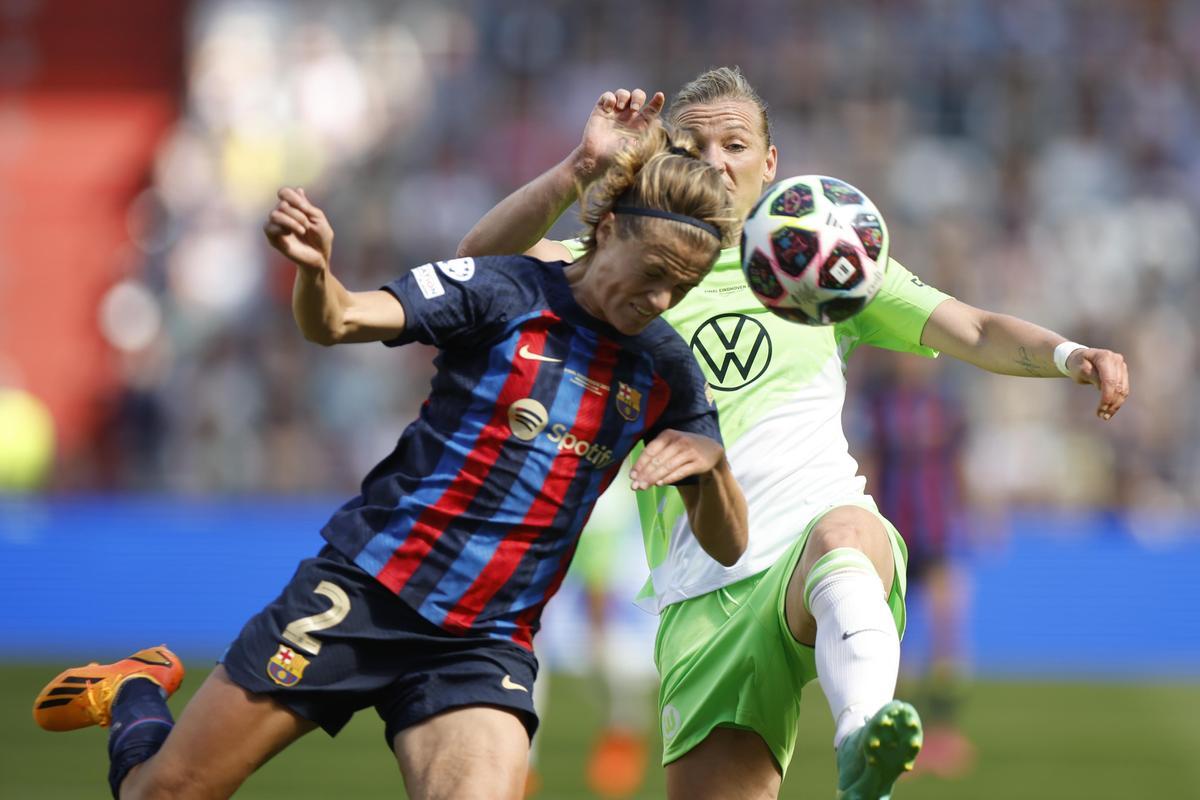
735 348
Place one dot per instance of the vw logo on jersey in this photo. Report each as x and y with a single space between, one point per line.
735 349
527 418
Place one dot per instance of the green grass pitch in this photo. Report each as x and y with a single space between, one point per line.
1037 741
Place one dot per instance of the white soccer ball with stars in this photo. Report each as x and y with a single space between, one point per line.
814 249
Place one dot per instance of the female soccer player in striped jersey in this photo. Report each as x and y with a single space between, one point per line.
426 597
820 590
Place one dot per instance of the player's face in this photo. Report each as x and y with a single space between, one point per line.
731 138
633 280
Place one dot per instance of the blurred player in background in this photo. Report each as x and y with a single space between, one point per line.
616 651
820 591
28 436
26 441
911 435
426 597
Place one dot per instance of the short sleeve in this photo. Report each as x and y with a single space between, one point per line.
895 319
691 407
449 303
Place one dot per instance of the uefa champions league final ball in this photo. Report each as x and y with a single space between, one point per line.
814 250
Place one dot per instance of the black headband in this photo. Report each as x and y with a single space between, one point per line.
638 211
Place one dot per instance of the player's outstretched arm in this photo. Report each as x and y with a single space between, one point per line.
520 221
326 312
715 505
1010 346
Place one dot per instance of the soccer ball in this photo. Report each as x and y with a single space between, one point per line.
814 250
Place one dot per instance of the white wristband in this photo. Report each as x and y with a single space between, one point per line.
1063 352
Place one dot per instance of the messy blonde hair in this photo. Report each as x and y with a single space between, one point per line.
720 83
661 171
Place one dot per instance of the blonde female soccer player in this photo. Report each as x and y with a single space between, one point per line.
820 590
426 597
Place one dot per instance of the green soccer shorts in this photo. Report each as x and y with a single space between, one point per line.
728 657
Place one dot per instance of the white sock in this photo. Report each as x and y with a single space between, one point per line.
857 647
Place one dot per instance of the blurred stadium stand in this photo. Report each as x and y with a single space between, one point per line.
1036 158
86 96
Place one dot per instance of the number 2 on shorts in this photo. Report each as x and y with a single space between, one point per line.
297 632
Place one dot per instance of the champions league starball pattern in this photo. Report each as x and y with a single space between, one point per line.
814 250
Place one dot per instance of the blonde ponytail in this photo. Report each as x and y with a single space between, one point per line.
661 172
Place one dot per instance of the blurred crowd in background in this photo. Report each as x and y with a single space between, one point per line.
1031 157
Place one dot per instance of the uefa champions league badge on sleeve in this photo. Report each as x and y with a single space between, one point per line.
459 269
286 667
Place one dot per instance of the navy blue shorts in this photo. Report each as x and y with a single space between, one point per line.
350 643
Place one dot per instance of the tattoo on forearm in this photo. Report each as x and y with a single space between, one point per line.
1025 362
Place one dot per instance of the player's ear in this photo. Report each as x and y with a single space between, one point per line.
770 164
605 228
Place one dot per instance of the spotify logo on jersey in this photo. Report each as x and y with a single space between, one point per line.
527 418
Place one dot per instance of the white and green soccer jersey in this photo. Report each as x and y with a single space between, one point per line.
779 391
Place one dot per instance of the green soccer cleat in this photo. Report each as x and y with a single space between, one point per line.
871 758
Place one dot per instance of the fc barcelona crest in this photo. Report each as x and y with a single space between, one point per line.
286 667
629 401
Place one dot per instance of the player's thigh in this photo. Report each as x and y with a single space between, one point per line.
708 645
730 764
471 752
848 526
223 735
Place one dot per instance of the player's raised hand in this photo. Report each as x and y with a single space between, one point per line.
299 230
617 119
673 456
1105 370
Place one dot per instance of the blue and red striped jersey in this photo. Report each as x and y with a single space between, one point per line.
473 518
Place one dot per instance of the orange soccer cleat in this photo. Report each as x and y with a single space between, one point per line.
82 696
533 782
947 753
618 764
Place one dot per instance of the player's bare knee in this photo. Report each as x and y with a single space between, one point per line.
854 528
831 536
166 782
828 536
847 526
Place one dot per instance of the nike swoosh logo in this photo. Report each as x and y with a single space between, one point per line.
161 661
525 352
509 683
848 634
